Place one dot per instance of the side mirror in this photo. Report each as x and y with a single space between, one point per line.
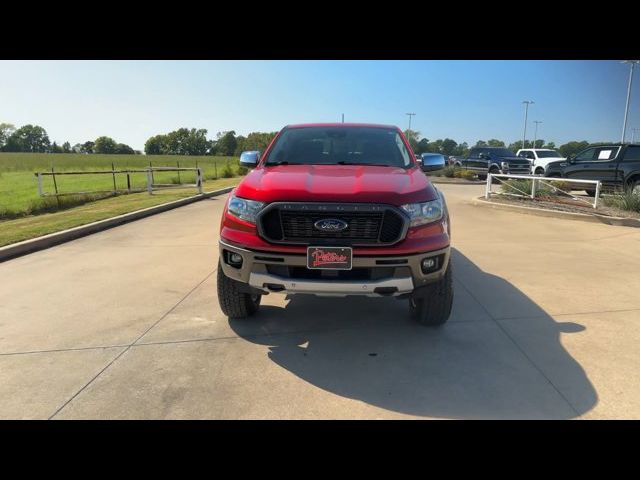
571 159
432 163
249 159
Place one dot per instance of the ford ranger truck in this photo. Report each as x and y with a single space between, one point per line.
336 210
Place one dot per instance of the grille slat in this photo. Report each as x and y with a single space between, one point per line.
367 224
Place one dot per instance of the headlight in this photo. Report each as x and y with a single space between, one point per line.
421 213
244 209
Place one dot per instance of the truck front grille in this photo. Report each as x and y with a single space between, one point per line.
366 224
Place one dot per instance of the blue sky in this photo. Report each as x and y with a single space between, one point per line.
464 100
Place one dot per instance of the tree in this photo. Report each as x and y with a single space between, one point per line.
6 130
412 137
227 143
571 148
448 146
66 147
550 145
156 145
481 143
105 145
423 146
495 143
55 148
122 149
29 138
87 147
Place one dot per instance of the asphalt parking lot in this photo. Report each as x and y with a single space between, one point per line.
125 324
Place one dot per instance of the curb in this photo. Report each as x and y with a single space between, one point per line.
40 243
543 212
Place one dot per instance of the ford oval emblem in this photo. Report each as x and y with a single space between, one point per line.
330 225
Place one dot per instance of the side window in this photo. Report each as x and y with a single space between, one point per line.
605 153
473 153
632 154
586 156
530 155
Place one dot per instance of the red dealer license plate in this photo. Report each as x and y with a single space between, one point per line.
329 258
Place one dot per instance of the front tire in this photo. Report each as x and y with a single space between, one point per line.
233 302
431 305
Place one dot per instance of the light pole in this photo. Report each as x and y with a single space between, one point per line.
633 63
535 135
410 115
526 111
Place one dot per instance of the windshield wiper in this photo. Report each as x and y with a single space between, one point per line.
283 162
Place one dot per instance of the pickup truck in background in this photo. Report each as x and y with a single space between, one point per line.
617 166
483 160
540 158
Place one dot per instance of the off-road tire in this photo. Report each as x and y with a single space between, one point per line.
432 305
233 302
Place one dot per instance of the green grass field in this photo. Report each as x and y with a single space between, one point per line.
24 214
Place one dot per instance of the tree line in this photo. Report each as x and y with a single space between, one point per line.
450 147
34 139
194 141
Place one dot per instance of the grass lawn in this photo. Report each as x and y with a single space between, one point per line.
24 214
17 230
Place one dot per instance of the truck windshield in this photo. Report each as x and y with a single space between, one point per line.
339 146
548 154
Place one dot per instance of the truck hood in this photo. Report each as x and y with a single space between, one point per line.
337 183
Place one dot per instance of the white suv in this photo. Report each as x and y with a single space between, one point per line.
540 158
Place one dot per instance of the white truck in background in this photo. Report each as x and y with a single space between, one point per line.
540 158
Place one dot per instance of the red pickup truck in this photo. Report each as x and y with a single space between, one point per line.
335 210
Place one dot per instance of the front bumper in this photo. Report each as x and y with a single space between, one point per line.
404 273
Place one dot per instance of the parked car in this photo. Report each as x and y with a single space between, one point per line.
430 159
540 158
483 160
336 210
616 165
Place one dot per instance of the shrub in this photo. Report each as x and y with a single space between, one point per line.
227 172
627 201
242 170
466 174
517 186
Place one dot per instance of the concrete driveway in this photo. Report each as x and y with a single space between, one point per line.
126 324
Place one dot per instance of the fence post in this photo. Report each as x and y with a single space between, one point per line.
128 183
533 189
113 173
150 181
39 184
55 186
215 169
178 163
199 180
487 192
597 195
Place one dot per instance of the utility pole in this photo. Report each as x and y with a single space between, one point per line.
410 115
535 135
633 63
526 111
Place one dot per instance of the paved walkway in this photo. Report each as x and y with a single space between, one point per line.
126 324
